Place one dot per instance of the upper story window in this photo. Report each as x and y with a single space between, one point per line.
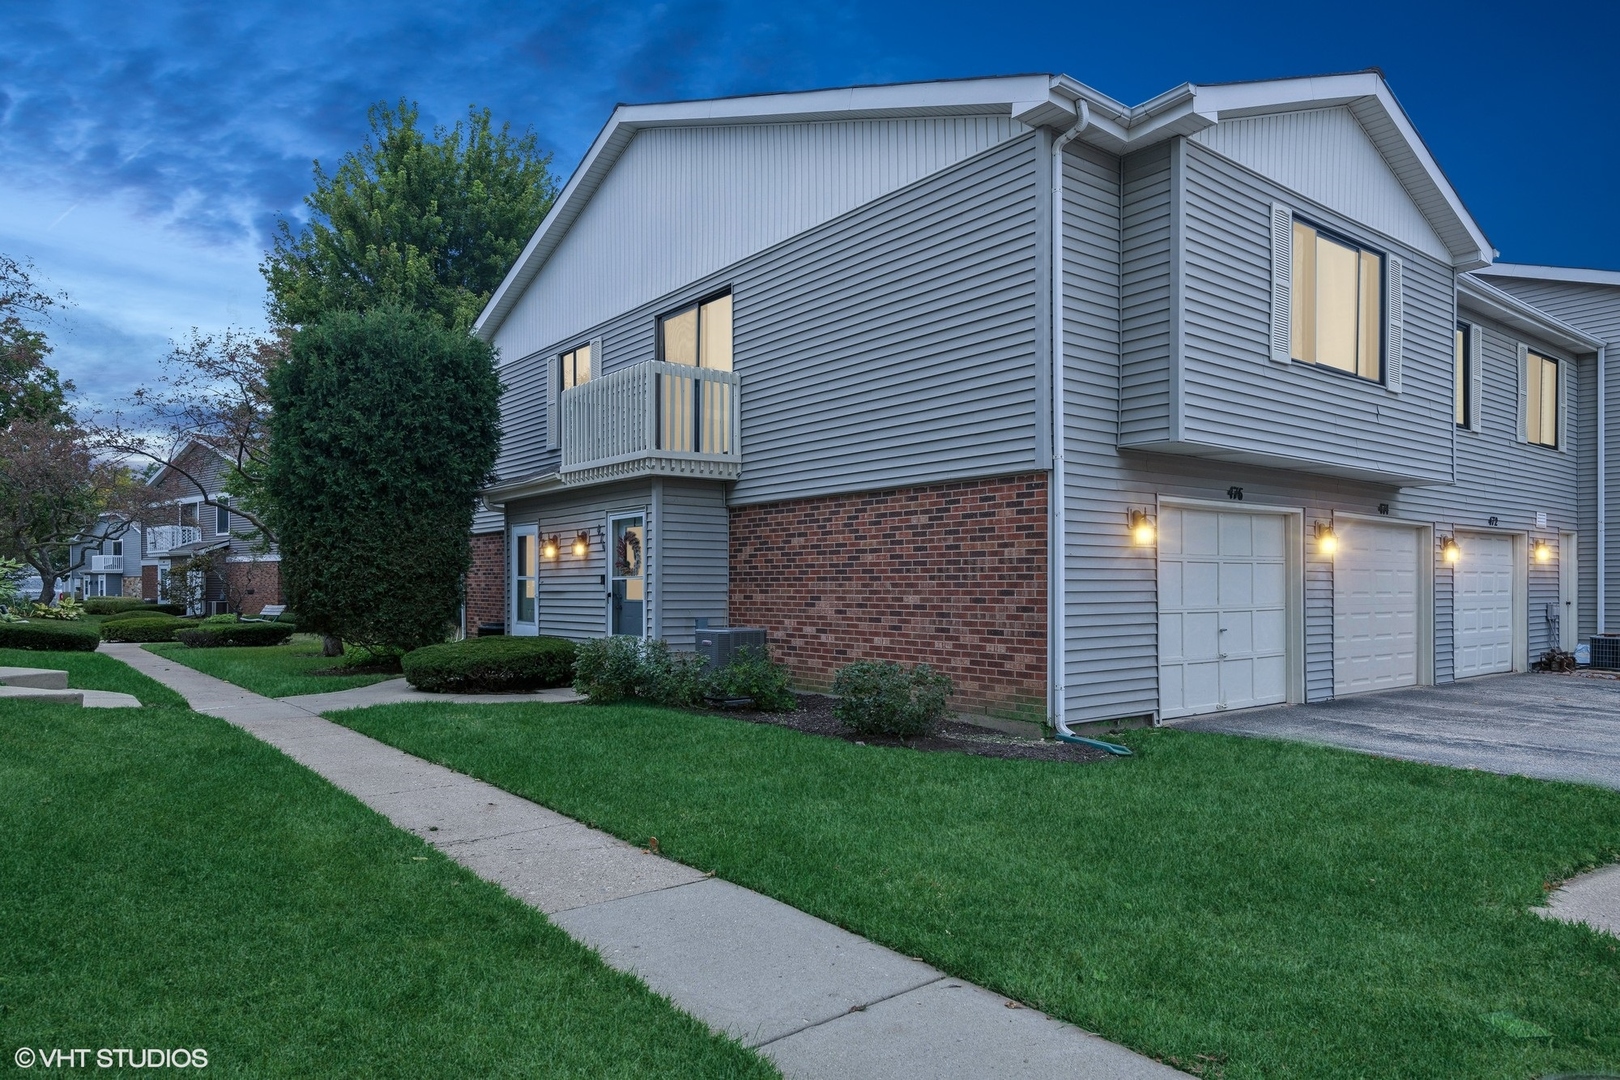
576 367
222 516
1541 384
115 547
699 335
1337 303
1462 363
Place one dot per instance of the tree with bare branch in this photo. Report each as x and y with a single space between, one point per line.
211 390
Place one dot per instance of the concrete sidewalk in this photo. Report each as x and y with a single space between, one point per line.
817 1000
398 691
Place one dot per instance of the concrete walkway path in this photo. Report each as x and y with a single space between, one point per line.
1593 899
817 1000
395 691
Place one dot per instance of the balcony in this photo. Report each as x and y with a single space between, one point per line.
161 539
653 419
106 564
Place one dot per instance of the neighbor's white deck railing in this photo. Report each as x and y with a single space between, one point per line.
161 538
652 419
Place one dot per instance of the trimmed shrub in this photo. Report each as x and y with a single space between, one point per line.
670 678
882 698
219 620
233 633
152 628
606 669
112 605
49 636
752 674
490 665
147 611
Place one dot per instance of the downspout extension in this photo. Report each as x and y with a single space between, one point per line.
1057 504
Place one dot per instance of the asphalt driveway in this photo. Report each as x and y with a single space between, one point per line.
1555 727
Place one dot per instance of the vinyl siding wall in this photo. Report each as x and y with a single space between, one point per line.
1111 661
891 347
1596 310
1235 399
682 203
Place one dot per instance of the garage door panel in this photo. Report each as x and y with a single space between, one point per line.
1375 608
1483 605
1237 584
1223 617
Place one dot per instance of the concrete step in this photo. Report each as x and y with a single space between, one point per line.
39 678
34 693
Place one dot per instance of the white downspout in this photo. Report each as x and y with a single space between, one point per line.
1057 503
1602 499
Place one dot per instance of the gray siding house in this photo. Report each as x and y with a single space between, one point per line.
1108 411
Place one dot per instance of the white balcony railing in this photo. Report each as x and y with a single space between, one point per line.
106 564
164 538
653 419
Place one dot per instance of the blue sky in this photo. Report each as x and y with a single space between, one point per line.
147 149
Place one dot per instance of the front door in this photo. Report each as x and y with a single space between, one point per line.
525 612
628 565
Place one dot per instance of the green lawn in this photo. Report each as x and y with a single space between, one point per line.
276 671
1283 910
95 671
171 882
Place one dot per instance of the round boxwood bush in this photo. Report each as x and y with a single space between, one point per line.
491 665
234 633
49 636
112 605
152 628
882 698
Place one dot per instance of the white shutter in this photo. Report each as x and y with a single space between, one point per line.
594 368
1476 377
1565 384
1282 283
1395 335
553 409
1523 363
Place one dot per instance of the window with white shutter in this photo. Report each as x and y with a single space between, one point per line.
571 369
1476 379
1522 403
1395 334
1335 310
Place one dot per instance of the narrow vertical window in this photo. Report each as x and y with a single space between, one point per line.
222 516
1541 400
694 414
1462 374
1337 309
576 367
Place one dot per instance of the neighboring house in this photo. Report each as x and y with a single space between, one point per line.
98 561
1106 411
189 518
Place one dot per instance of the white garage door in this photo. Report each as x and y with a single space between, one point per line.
1484 604
1223 611
1375 607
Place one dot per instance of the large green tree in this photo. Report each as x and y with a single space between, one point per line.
29 390
384 427
430 221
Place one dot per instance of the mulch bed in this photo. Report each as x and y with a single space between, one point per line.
814 716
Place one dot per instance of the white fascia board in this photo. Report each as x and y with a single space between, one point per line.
1574 274
1486 299
499 494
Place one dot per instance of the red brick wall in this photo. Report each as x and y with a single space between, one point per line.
952 575
486 581
252 585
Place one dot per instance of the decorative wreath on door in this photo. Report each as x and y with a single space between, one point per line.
627 555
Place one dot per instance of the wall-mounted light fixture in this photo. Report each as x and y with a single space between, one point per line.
1540 551
550 546
1449 549
1142 530
582 545
1327 541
